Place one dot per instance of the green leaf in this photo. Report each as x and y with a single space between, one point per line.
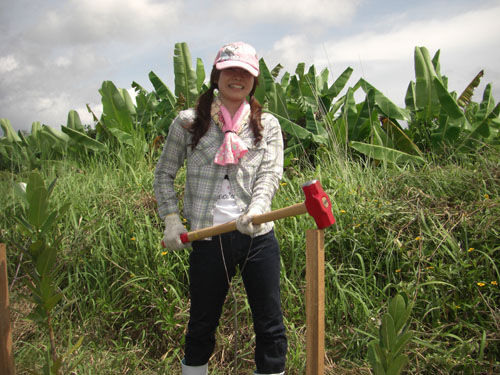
46 260
397 365
292 128
52 301
387 332
340 83
82 139
399 138
74 121
51 186
401 343
265 76
38 205
122 136
315 126
185 80
36 248
385 154
359 117
162 90
37 316
73 348
47 225
116 107
374 359
449 104
276 70
426 98
35 181
25 226
386 106
8 131
46 287
481 128
200 74
410 102
397 306
53 139
486 106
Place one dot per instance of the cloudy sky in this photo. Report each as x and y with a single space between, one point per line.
54 54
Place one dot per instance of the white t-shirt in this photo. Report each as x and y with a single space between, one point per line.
226 208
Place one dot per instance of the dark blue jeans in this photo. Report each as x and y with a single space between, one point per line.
259 262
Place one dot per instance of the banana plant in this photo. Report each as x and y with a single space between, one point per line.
79 141
302 103
441 120
361 128
118 113
43 143
37 221
385 354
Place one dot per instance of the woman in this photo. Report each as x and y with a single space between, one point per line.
234 157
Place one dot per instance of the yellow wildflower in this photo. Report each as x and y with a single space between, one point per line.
494 283
342 211
457 307
283 184
132 239
429 268
470 249
398 270
164 253
418 238
481 284
486 196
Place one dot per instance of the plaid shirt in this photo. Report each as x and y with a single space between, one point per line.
254 180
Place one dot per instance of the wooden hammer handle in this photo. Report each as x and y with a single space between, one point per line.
296 209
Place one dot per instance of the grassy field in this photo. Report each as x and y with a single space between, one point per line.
431 232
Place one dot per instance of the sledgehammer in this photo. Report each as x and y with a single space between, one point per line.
317 204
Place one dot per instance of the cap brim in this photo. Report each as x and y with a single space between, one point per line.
237 64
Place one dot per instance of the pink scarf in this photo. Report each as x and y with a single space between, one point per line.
232 148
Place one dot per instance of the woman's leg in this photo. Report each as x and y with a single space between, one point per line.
261 276
208 289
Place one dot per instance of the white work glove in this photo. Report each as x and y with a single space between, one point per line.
173 230
244 222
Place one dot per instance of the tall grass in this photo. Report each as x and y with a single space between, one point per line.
431 232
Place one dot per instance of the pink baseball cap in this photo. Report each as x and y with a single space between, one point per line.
238 54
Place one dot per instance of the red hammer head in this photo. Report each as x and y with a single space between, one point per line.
318 204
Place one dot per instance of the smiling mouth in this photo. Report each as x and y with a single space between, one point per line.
235 86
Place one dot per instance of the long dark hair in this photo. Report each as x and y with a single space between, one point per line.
202 121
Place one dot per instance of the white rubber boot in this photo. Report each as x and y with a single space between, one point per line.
194 370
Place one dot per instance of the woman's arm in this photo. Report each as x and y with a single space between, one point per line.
271 168
171 159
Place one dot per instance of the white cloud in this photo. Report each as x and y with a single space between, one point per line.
475 29
289 50
8 64
324 12
63 62
56 54
104 21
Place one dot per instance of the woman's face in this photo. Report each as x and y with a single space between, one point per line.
235 84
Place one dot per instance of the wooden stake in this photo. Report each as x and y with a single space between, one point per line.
6 353
315 302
